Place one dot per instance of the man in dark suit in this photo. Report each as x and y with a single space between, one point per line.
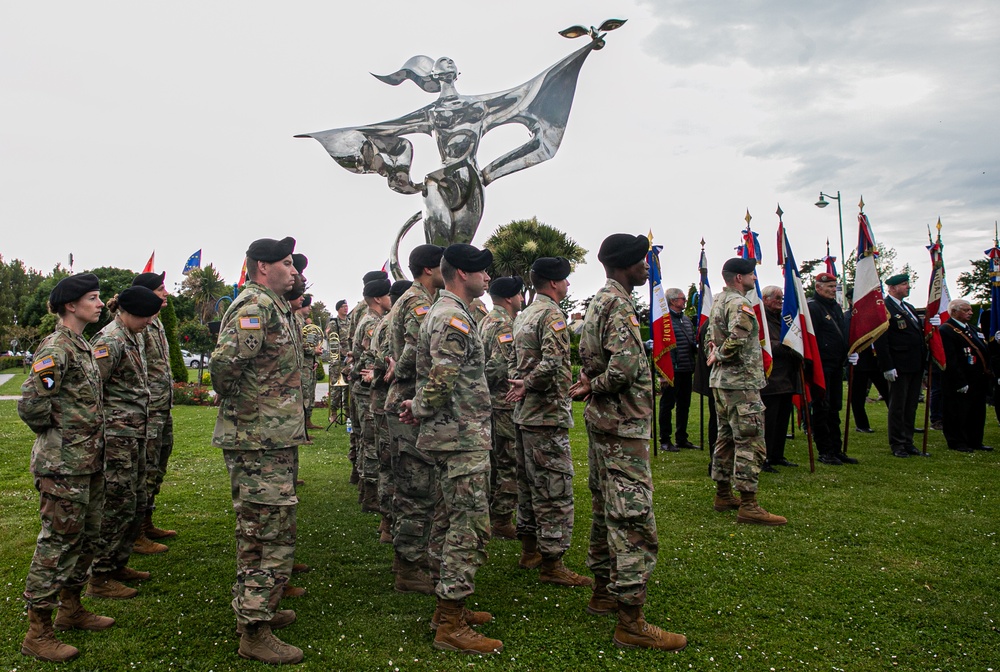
966 380
783 382
902 355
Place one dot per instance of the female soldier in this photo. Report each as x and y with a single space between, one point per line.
61 402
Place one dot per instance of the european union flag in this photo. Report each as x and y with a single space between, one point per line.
193 262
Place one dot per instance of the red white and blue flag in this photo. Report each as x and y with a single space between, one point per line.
831 262
750 249
938 299
705 295
660 327
797 330
869 317
994 257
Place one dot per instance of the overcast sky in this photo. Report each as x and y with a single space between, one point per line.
134 126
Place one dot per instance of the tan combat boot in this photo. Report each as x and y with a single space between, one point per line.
72 613
102 585
41 642
725 500
128 574
410 578
530 557
300 568
281 618
751 513
258 643
633 632
385 530
471 618
454 634
144 546
501 527
555 572
153 532
602 602
309 421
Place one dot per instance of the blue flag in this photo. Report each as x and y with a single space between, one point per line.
994 255
193 262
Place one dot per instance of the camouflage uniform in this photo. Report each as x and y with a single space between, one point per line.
623 541
414 475
337 340
736 379
121 359
543 419
367 460
61 401
353 318
452 402
161 398
377 358
496 330
478 310
257 373
312 336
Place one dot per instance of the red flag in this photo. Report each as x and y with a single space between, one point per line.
797 331
750 249
660 326
148 268
869 317
243 275
938 299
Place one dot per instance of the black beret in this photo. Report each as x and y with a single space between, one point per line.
426 256
739 265
621 250
307 300
295 292
270 250
468 258
551 268
300 261
73 287
377 288
505 288
140 301
374 275
897 279
399 288
151 281
342 302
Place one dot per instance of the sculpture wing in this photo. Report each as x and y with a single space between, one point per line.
542 105
378 148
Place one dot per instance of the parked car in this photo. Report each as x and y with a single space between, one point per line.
192 360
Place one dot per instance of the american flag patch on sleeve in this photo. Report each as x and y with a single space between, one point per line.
459 324
559 325
43 363
101 352
249 323
420 311
505 338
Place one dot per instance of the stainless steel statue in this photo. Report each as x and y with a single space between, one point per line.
453 194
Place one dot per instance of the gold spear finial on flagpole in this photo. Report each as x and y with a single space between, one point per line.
703 243
748 218
861 204
939 229
779 212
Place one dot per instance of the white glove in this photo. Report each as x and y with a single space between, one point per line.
935 320
891 375
853 358
963 390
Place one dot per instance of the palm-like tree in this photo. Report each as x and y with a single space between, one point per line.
517 245
205 287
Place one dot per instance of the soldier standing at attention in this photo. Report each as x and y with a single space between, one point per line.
544 416
355 316
257 373
736 379
119 349
496 330
61 401
616 381
337 338
312 347
478 310
452 405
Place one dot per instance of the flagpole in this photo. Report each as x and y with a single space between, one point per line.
805 415
927 406
652 366
847 417
701 397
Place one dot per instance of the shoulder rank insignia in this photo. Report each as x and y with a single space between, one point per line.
505 338
420 311
459 324
634 320
43 363
101 352
558 325
249 323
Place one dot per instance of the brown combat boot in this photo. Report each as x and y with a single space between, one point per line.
530 557
152 532
292 591
454 634
501 527
281 618
471 618
72 614
602 602
128 574
102 585
369 497
144 546
41 642
725 500
258 643
309 421
385 530
411 578
633 632
300 568
555 572
751 513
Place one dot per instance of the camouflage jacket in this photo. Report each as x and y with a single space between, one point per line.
62 402
733 328
362 357
377 359
541 344
497 333
353 319
478 310
452 400
121 359
338 337
161 379
613 356
405 319
257 373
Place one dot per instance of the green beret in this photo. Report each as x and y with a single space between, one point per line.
898 279
621 250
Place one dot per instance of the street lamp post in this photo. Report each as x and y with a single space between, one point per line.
822 203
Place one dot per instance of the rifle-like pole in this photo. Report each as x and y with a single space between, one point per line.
805 415
847 418
652 364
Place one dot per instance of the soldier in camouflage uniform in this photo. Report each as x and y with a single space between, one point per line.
736 379
452 405
337 338
312 347
544 416
61 401
616 380
376 295
478 310
257 373
413 473
496 330
119 349
354 317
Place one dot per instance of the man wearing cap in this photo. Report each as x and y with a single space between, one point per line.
337 338
831 337
257 373
543 416
965 380
736 378
496 330
452 405
312 347
354 317
678 395
783 382
616 382
413 470
902 356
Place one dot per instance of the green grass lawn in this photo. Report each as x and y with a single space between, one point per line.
889 564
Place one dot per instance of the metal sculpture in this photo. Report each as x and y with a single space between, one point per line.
453 194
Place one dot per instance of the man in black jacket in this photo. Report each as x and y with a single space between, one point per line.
781 384
678 395
965 381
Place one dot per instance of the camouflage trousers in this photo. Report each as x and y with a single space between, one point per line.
463 480
309 383
263 491
740 450
367 449
503 464
124 501
354 436
70 508
158 450
413 500
336 397
623 541
386 485
545 493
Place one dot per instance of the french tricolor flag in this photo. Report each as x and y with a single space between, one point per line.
705 295
869 317
797 330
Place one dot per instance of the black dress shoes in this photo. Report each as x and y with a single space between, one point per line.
912 450
961 449
687 444
985 448
864 430
784 463
769 469
846 459
829 459
900 452
669 448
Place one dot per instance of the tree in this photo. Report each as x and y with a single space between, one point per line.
204 286
516 246
17 285
36 307
977 283
113 281
168 317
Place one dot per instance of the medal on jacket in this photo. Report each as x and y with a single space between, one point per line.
901 322
969 356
